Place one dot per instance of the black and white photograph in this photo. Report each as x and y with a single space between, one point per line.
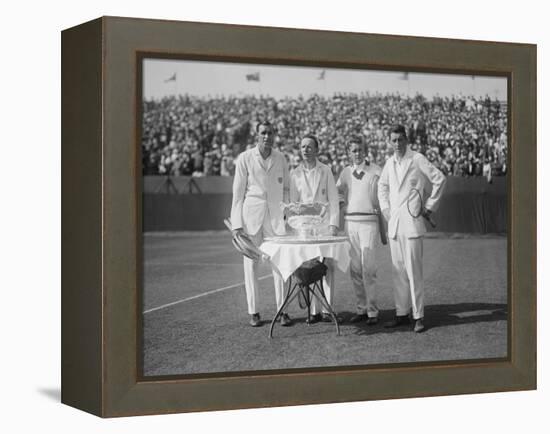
309 217
141 279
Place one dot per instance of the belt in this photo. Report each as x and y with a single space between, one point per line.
360 213
262 196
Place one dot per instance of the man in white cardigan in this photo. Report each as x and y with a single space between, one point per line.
260 185
313 181
405 173
358 186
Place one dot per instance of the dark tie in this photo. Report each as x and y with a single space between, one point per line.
358 175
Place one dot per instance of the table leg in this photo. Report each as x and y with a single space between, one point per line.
323 300
305 290
290 295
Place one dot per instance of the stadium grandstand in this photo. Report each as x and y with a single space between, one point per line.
189 135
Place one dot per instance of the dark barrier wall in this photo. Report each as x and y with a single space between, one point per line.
468 205
473 205
187 184
185 212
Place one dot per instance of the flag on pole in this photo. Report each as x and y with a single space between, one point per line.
321 75
404 76
172 78
253 77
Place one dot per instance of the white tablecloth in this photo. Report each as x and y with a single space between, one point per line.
286 258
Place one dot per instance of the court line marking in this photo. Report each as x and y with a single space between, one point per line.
204 294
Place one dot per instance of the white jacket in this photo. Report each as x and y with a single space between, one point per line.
393 192
257 190
323 189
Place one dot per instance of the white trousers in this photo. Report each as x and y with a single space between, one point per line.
364 238
328 289
251 283
406 257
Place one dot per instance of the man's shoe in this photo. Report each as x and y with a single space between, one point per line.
419 325
313 318
358 318
285 320
255 320
398 321
372 320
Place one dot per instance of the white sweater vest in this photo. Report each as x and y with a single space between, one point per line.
360 194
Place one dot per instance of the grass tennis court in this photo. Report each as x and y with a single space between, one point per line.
195 318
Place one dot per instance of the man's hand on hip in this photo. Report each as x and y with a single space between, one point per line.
237 231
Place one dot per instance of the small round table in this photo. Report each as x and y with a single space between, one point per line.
288 253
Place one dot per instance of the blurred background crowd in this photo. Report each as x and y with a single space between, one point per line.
198 136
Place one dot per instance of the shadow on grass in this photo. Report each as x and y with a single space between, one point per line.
436 316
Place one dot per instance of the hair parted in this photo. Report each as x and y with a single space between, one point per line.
265 124
398 129
312 137
356 139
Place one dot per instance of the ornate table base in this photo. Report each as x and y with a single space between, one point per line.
308 290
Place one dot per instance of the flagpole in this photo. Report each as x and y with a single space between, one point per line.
173 78
260 83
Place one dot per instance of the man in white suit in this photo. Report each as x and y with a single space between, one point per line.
260 184
405 174
312 181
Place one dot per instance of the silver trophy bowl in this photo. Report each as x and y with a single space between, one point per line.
307 220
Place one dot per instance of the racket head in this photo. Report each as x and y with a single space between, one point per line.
249 249
239 248
244 249
414 203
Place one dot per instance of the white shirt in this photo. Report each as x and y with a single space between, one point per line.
265 162
401 165
312 179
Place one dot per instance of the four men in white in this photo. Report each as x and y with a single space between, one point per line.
405 172
312 181
260 184
357 186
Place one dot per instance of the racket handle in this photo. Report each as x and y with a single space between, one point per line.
430 220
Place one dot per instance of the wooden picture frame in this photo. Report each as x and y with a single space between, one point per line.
101 222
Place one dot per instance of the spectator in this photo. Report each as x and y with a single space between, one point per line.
182 135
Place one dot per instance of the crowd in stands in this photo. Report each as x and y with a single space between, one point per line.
187 135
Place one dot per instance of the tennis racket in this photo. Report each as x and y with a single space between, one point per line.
415 206
245 246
